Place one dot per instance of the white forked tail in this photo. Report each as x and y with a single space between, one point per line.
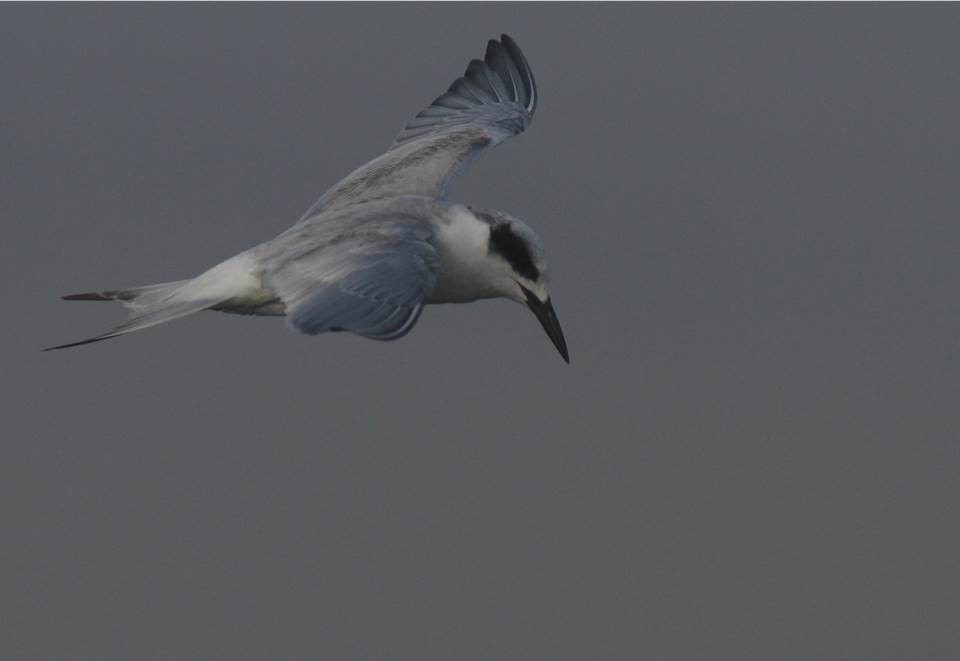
156 304
149 306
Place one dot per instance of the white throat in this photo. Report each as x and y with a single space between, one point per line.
467 271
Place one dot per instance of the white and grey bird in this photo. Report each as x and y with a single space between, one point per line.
385 241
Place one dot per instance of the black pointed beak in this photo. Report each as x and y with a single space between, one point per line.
548 319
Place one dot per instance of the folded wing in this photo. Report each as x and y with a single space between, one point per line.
364 271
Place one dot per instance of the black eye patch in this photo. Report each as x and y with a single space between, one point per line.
513 249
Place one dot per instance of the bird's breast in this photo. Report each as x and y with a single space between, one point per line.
463 272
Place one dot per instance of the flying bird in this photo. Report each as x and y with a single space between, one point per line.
385 240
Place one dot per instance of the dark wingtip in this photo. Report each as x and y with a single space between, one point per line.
509 42
526 72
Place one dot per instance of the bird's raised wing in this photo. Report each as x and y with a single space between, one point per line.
494 100
366 270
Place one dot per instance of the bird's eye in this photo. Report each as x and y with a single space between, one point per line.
504 242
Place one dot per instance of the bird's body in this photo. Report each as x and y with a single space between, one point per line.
384 241
458 235
461 240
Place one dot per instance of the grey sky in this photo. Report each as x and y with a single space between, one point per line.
752 218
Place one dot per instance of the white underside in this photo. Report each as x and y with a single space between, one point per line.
465 268
236 285
466 272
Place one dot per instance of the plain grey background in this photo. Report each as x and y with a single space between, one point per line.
752 216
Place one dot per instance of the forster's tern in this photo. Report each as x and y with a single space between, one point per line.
385 241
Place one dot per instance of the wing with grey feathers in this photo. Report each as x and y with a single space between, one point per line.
494 100
366 270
